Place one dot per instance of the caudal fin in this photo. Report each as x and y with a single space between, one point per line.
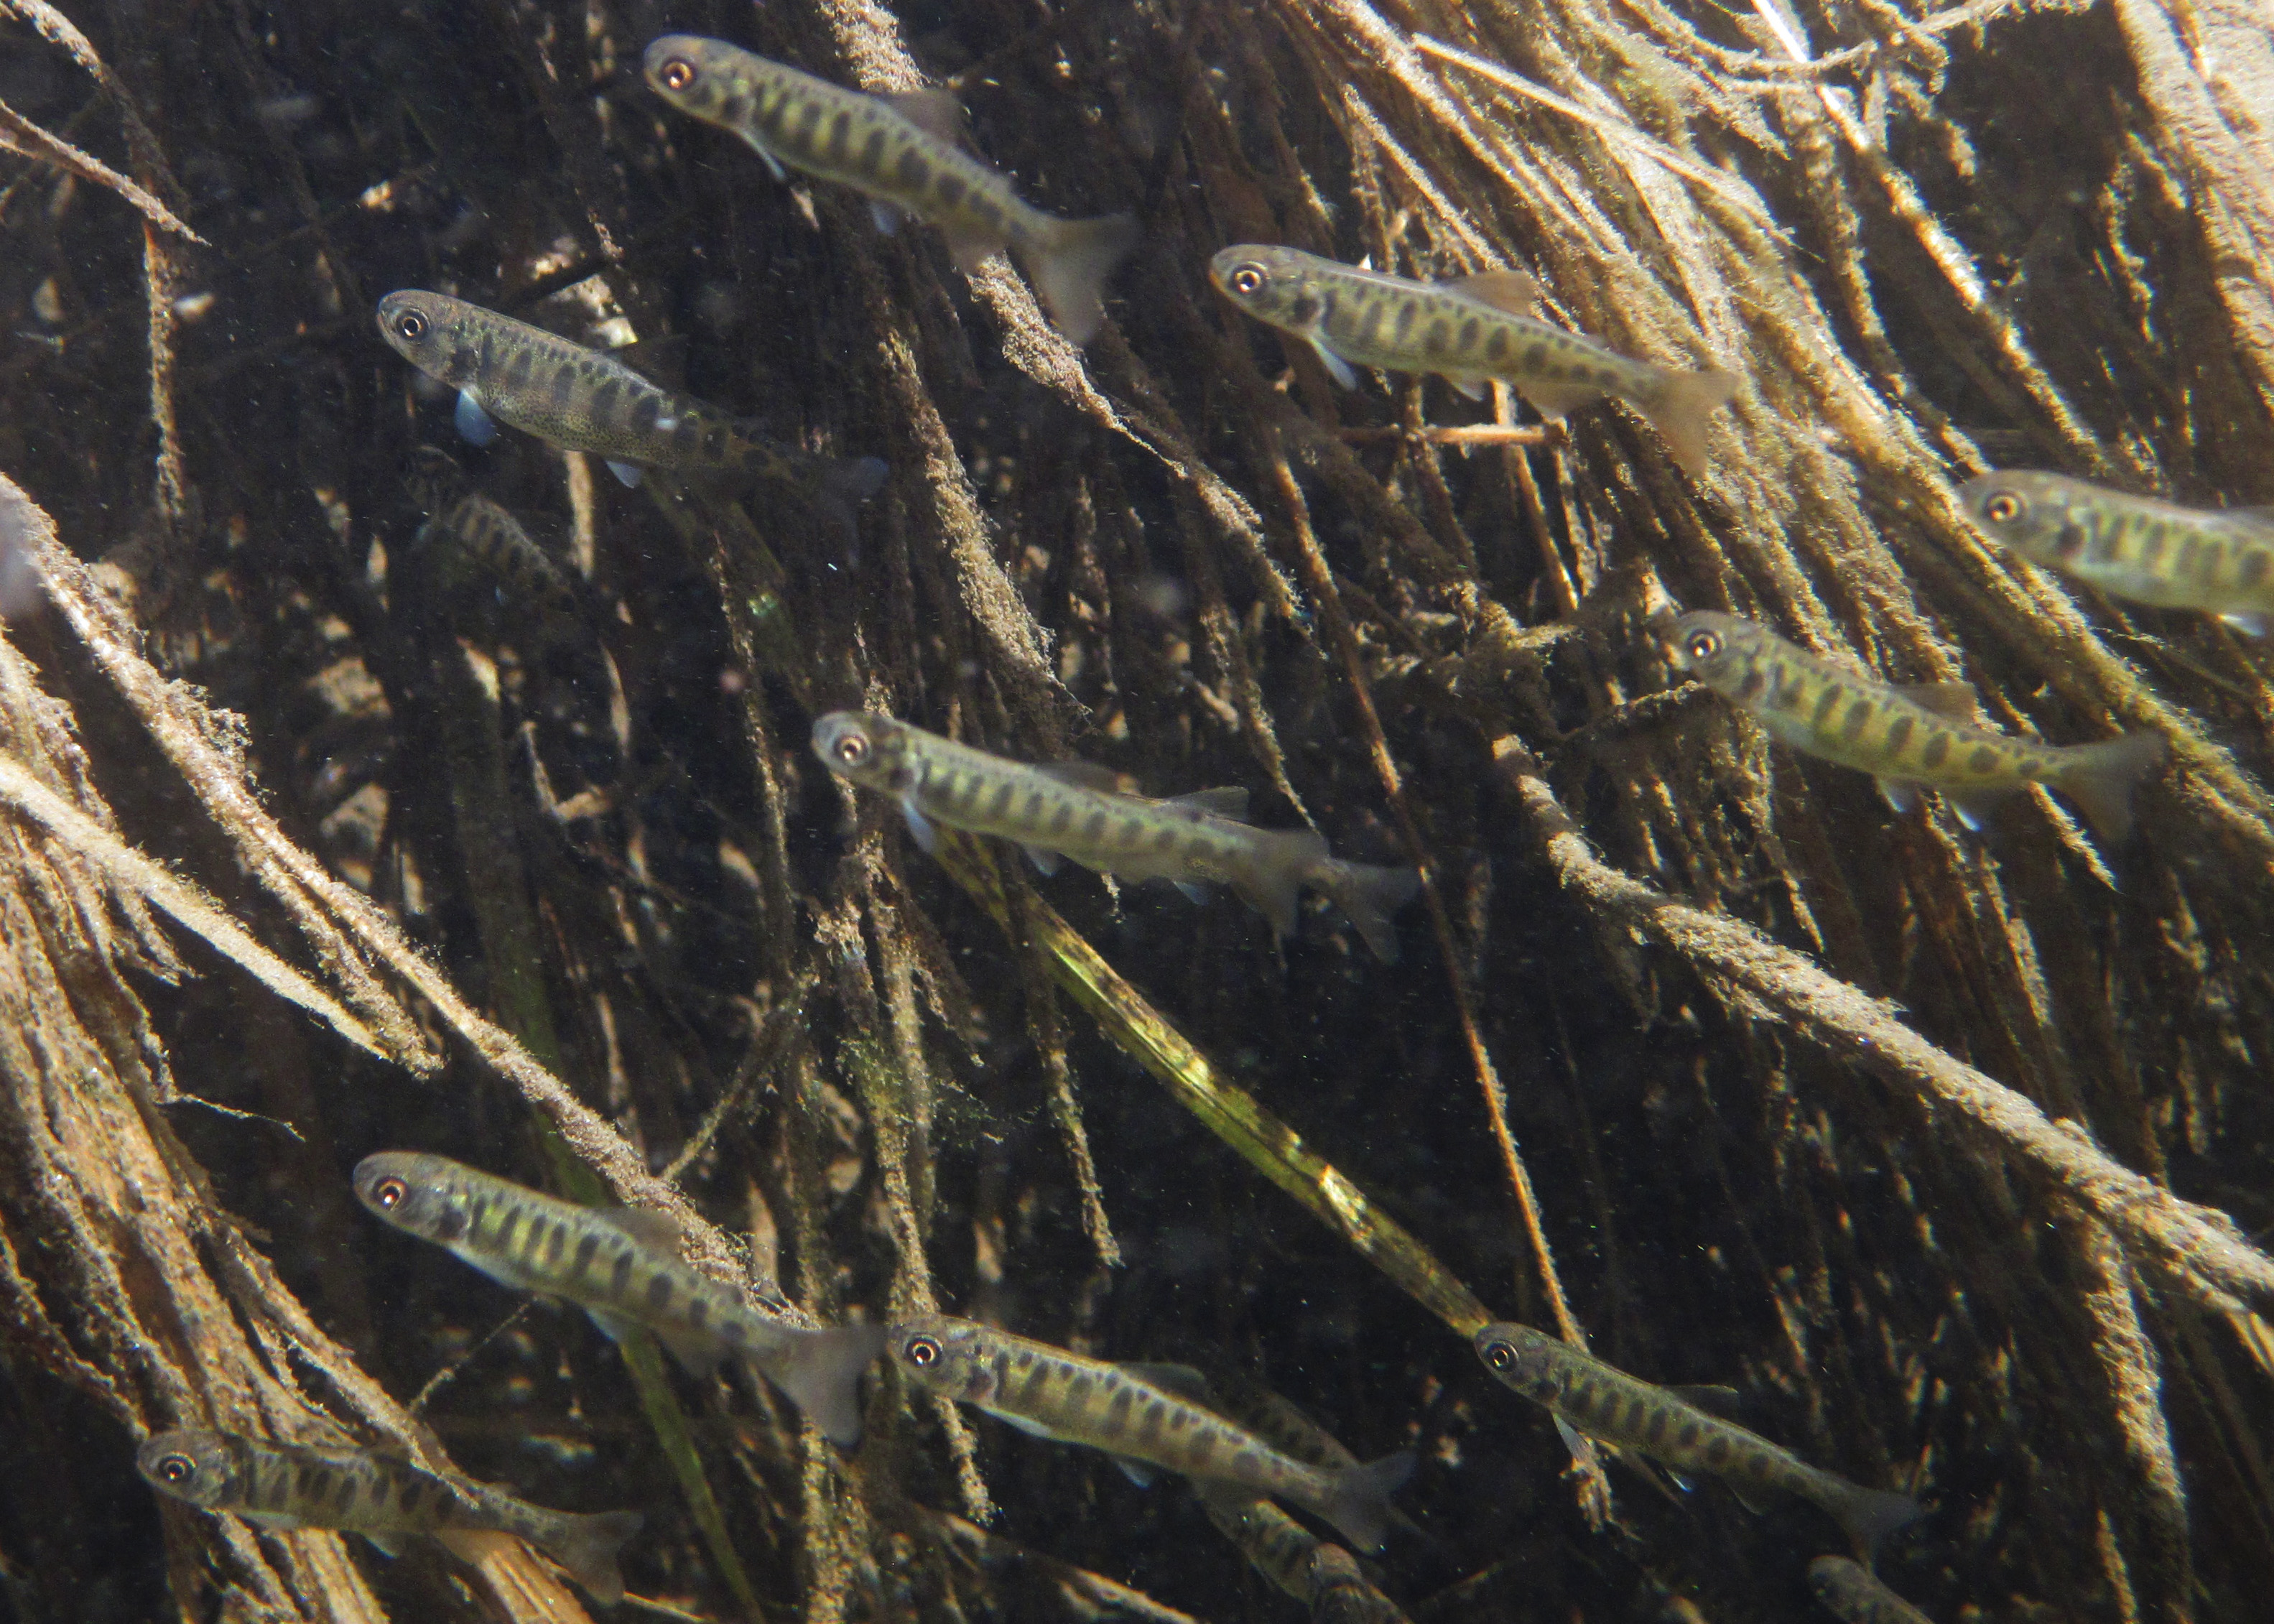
820 1371
1370 894
1358 1502
2101 777
1678 412
587 1547
1069 265
1871 1515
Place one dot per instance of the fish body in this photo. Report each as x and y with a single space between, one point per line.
478 530
2133 548
1606 1404
380 1496
1059 811
902 152
1467 329
1339 1594
1856 1596
1907 738
622 1266
580 400
1066 1397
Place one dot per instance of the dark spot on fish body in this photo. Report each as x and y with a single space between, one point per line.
1433 341
1369 321
1004 794
1179 1418
735 107
562 394
1826 703
2070 539
1465 340
772 111
1535 357
1686 1435
841 130
1093 827
645 410
659 1291
1937 748
1851 725
914 170
556 1242
698 1312
1331 311
1716 1450
1983 758
1409 311
808 123
1786 686
452 1221
620 1277
516 376
2255 563
605 397
1149 1424
1061 817
586 1247
949 189
2210 565
733 1330
508 1230
1166 839
1899 734
1116 1409
1203 1448
996 1378
2183 566
1756 679
350 1492
1496 343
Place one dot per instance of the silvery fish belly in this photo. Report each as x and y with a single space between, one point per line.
2135 548
580 400
1070 811
1467 329
1907 738
1851 1592
1066 1397
1604 1403
902 152
382 1496
622 1266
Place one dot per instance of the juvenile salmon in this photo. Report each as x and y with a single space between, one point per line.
1468 330
1056 811
480 530
1339 1593
381 1496
1602 1402
1070 1399
580 400
622 1266
2135 548
1854 1596
1907 738
900 151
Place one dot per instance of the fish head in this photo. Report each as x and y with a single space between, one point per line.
2027 511
1520 1356
860 746
414 1192
944 1356
204 1468
429 331
1709 645
696 75
1271 284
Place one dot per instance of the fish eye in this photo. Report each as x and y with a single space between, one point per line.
411 326
176 1469
2004 507
676 75
852 749
923 1352
1703 645
1248 278
389 1193
1500 1355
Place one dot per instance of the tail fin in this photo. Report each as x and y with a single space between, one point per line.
1273 885
587 1547
2101 777
1370 895
820 1371
1069 265
1871 1515
1684 402
1358 1497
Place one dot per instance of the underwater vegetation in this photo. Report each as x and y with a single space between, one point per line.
606 612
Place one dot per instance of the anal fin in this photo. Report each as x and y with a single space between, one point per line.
627 474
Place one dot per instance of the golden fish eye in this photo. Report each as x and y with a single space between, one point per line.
677 74
853 749
1703 645
2003 509
389 1193
1500 1355
178 1468
411 326
921 1351
1248 278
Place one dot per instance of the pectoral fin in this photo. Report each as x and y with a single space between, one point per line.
476 426
1045 860
920 827
887 216
1228 802
1337 368
773 164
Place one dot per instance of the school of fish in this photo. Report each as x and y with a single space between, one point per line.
1253 1458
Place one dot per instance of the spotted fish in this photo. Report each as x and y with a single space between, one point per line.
1854 1596
901 152
1066 1397
1338 1591
481 531
382 1496
2135 548
1468 330
1907 738
1072 810
622 1266
1602 1402
580 400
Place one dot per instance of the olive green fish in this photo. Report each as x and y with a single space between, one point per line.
1591 1397
580 400
1072 810
1855 1596
382 1496
478 530
622 1266
1907 738
900 151
1070 1399
2135 548
1468 330
1339 1594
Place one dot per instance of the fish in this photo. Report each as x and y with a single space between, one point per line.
622 1266
382 1496
1908 738
2220 560
1605 1403
1467 330
1072 809
902 153
1062 1396
1856 1596
477 528
1339 1594
580 400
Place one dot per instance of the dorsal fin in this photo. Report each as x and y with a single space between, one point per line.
1089 775
1512 292
646 1225
1228 802
1181 1380
934 110
1955 700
